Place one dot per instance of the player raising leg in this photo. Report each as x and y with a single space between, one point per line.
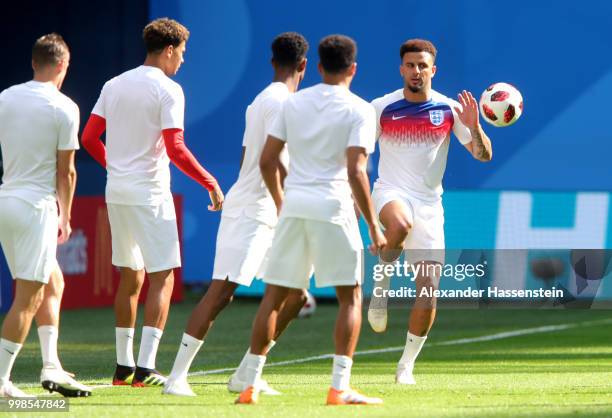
414 126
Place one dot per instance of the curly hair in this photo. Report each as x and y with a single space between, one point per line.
418 45
337 53
49 49
289 49
163 32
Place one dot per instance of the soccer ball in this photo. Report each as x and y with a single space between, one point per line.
309 307
501 104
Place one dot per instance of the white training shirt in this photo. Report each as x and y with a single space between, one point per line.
414 140
137 106
318 124
36 120
249 196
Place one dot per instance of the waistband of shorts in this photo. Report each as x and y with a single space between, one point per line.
429 199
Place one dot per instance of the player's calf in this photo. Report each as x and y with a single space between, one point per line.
296 298
218 296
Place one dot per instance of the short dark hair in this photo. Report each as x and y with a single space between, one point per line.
289 49
164 32
418 45
337 53
49 50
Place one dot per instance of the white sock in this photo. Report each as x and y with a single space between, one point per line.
271 344
412 349
124 342
47 334
341 374
148 347
8 354
187 351
254 368
241 371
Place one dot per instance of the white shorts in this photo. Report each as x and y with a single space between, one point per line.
242 247
301 246
144 236
425 240
28 236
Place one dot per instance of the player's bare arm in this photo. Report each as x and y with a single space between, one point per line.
66 183
480 147
357 161
269 164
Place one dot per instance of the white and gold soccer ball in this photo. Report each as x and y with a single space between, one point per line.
501 104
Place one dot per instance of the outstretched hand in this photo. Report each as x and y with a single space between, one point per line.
469 114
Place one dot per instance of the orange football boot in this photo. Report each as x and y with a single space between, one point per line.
350 397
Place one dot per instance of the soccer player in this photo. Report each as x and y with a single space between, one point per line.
142 112
413 129
329 132
39 136
247 222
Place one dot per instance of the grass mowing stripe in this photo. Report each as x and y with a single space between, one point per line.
460 341
490 337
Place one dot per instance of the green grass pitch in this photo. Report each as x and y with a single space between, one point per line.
563 372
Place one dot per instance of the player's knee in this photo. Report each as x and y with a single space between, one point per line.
425 303
350 299
133 290
298 298
219 299
397 232
225 300
303 298
163 280
130 287
428 282
56 289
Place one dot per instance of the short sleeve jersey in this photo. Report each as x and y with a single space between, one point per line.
36 121
414 140
249 195
319 124
137 106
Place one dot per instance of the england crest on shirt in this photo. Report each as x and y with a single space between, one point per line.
436 117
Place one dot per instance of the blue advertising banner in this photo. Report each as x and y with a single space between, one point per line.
538 224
